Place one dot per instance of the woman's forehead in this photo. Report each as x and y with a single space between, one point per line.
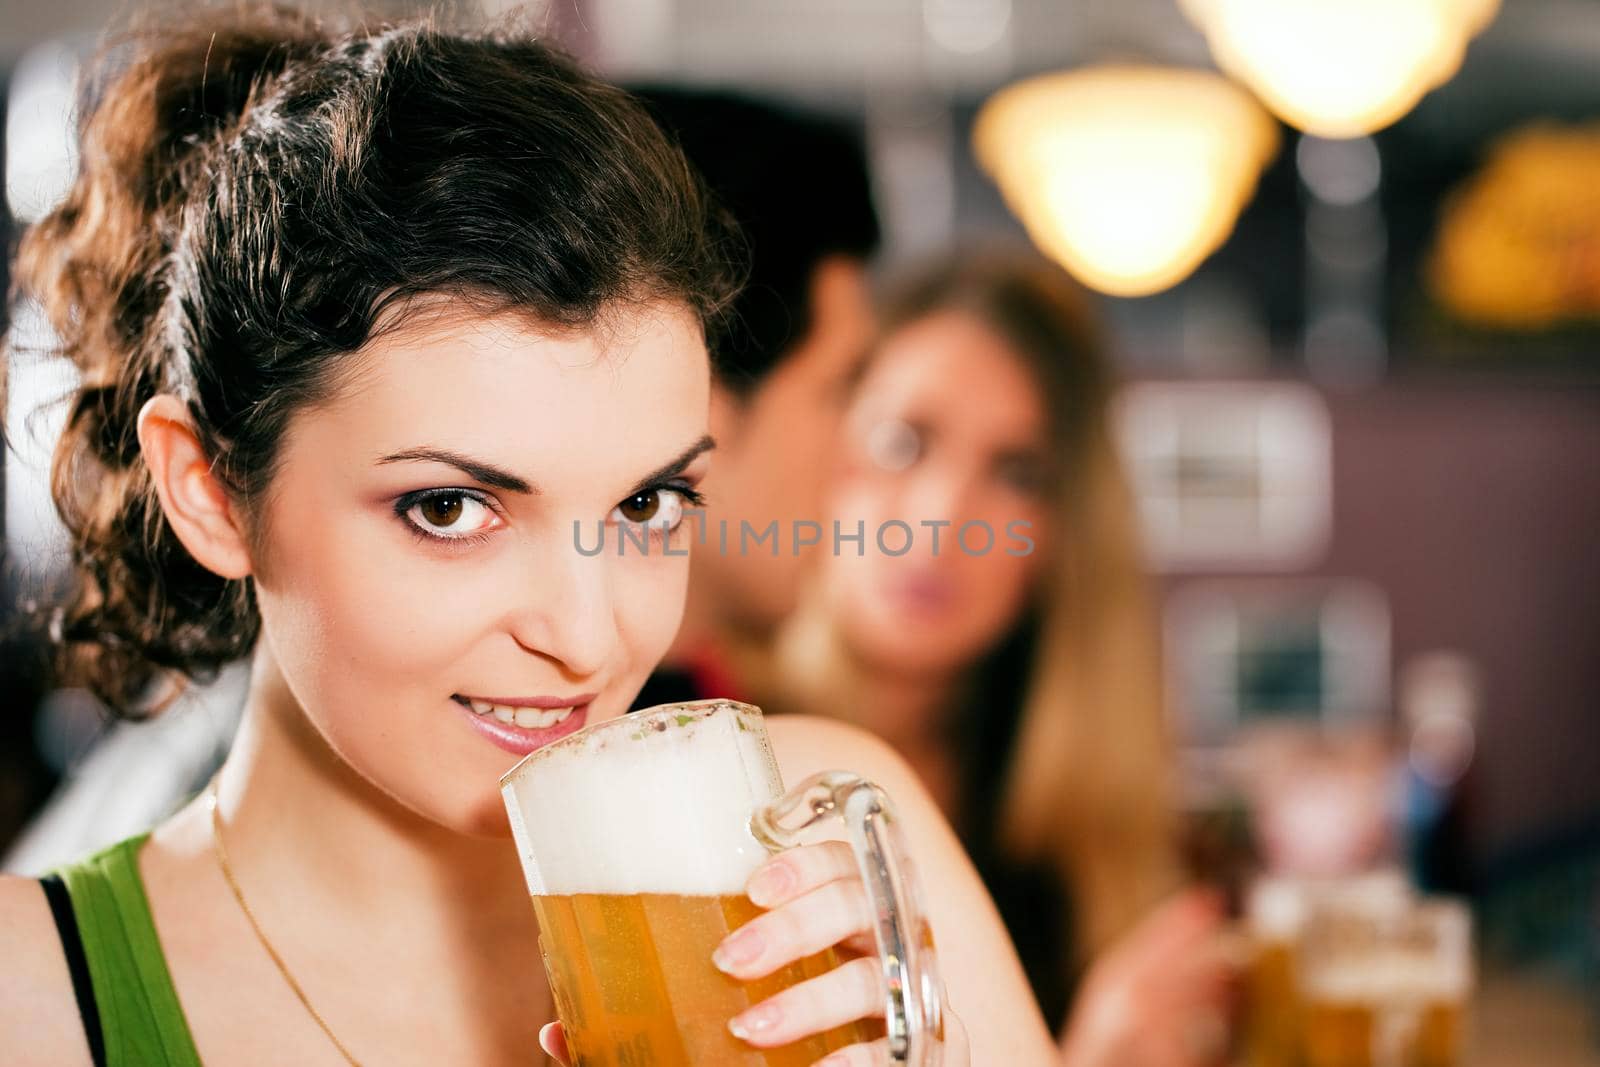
500 385
953 366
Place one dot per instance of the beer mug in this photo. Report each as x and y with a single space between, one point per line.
1277 911
637 836
1387 989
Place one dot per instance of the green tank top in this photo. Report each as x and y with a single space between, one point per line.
140 1018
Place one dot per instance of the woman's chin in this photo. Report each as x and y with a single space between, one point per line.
459 801
480 815
899 652
488 820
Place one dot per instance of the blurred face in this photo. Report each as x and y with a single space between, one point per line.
422 590
774 450
947 425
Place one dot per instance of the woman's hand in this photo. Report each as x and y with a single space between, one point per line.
1160 996
815 900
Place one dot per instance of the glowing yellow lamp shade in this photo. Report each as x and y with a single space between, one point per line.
1340 68
1476 14
1128 176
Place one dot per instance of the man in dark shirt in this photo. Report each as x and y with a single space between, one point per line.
798 186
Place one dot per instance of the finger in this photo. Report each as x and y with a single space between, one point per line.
803 927
553 1040
1191 915
1205 1036
1166 1007
1194 969
1176 927
1201 975
849 992
870 1054
1161 1053
800 870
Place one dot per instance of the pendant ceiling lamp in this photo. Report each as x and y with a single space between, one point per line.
1340 68
1129 176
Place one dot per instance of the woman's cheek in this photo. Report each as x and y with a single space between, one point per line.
1003 595
413 611
647 592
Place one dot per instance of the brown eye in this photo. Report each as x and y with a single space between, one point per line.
658 509
641 507
449 515
441 510
1025 474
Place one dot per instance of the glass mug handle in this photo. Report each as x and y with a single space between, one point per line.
915 995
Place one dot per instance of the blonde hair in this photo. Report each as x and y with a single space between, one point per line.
1087 790
1089 783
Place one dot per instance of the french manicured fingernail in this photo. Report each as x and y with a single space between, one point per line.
742 948
836 1060
757 1020
770 884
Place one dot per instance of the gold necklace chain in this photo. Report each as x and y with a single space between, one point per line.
227 872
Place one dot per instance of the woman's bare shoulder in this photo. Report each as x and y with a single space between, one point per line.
808 744
987 986
39 1022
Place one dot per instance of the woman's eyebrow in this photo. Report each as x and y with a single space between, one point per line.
494 477
474 469
660 474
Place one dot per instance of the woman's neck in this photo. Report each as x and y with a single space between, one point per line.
347 884
908 709
285 793
820 673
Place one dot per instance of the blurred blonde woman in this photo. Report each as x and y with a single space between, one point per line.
1014 662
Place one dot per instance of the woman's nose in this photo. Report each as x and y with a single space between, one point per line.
938 492
568 614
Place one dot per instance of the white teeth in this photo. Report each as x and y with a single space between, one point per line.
527 718
537 718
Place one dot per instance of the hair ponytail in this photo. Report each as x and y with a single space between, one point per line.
152 105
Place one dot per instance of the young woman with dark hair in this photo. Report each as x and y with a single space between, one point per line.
366 321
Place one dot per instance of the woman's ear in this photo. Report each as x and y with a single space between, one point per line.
192 498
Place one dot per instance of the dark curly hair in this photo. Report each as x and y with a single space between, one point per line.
258 197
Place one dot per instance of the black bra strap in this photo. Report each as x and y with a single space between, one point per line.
77 963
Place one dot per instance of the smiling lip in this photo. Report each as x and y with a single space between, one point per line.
923 594
532 702
522 740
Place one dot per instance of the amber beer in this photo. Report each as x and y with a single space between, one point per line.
634 982
1351 1033
1277 911
1388 992
637 837
1274 915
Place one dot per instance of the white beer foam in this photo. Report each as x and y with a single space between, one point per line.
1278 907
1422 957
1391 978
658 802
